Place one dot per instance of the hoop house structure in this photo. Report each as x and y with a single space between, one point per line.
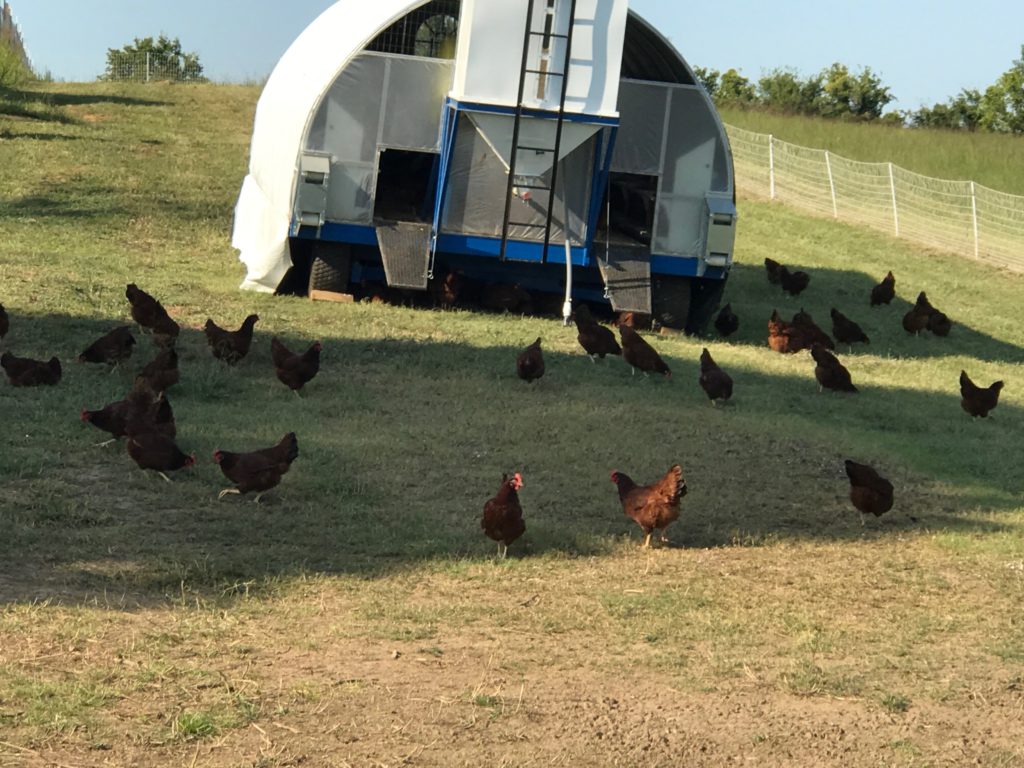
561 145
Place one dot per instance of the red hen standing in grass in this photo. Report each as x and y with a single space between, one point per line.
503 515
653 507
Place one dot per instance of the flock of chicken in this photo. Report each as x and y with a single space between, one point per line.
146 419
654 507
145 416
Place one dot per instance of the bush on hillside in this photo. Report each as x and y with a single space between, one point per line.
13 71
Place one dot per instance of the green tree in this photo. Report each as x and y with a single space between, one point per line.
784 91
846 94
149 59
708 78
1002 105
963 112
735 89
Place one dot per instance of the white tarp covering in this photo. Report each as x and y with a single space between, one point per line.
288 102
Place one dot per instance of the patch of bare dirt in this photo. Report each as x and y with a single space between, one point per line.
386 704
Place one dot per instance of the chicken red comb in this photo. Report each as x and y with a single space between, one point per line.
84 415
191 460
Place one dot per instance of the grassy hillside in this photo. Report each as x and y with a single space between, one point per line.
358 615
996 161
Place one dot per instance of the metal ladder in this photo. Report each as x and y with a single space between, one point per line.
547 34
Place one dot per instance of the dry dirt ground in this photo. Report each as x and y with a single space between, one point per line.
358 702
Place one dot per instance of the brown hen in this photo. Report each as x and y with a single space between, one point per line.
295 371
884 292
639 354
978 401
26 372
830 373
110 348
715 382
595 339
156 451
870 493
653 507
785 337
151 316
259 470
846 330
727 323
230 346
503 514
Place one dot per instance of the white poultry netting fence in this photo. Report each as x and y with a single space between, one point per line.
959 216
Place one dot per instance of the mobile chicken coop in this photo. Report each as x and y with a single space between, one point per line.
561 145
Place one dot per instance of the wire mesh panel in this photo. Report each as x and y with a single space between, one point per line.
958 216
430 31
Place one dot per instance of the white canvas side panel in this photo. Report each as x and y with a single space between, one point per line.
288 102
257 232
490 52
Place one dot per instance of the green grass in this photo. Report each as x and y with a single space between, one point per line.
993 160
140 613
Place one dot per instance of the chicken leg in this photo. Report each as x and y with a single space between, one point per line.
647 540
226 491
165 477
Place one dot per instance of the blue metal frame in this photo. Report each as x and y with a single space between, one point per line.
520 250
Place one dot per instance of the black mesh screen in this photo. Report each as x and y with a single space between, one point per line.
428 31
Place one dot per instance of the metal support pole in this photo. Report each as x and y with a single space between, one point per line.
147 66
895 214
771 168
974 221
831 186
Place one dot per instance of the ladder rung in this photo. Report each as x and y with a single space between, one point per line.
526 224
550 34
544 72
532 186
534 149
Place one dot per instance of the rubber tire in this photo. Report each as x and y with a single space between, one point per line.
330 268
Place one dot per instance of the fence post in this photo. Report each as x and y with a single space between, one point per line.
147 66
895 215
771 168
831 186
974 220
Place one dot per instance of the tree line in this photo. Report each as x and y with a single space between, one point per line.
838 92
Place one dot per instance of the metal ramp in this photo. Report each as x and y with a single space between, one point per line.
626 272
405 251
535 184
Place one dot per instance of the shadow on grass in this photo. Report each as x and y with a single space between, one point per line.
5 135
59 99
753 298
402 441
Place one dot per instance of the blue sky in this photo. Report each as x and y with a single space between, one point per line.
924 51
